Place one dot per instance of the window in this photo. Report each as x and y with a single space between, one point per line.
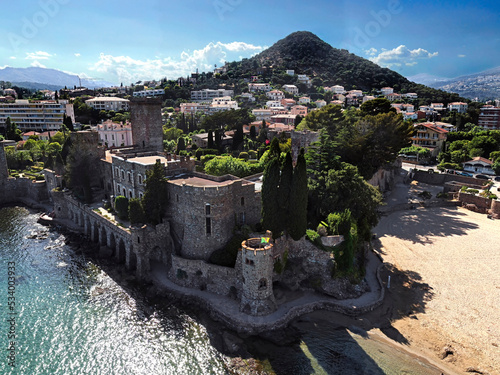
242 201
140 180
262 284
129 178
123 175
209 226
130 193
207 209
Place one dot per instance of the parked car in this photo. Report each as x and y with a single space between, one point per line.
497 178
464 174
482 177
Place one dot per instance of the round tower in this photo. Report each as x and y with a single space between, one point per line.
257 271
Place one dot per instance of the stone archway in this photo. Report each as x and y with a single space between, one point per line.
95 237
112 244
132 259
104 240
121 253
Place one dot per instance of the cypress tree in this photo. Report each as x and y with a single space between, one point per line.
284 190
210 141
155 194
297 218
270 205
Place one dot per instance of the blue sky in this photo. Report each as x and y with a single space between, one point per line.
126 41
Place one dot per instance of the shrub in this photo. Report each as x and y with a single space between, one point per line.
442 195
252 154
199 153
121 207
243 155
136 211
339 222
312 236
322 231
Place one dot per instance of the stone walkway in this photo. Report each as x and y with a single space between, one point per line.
225 309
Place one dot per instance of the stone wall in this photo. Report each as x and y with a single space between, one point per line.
201 275
385 176
302 140
23 190
232 204
482 204
441 178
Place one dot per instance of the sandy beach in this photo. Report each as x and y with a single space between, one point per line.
444 298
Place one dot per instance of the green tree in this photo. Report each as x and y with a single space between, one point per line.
270 205
121 207
297 220
284 190
155 197
210 141
136 211
181 145
376 106
12 132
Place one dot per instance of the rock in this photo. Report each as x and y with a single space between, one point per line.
232 343
447 351
474 370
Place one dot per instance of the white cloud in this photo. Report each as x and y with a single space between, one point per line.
461 56
77 54
13 57
37 64
371 52
39 55
127 69
402 55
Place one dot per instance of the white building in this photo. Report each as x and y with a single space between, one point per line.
208 94
290 72
114 134
479 165
437 106
248 96
292 89
459 107
273 103
367 98
304 100
320 103
262 114
408 108
337 89
254 87
356 93
302 78
275 95
223 104
194 107
41 116
147 93
387 90
410 116
108 103
410 95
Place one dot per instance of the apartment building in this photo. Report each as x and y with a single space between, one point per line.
115 134
209 94
489 118
430 136
108 103
149 93
36 115
459 107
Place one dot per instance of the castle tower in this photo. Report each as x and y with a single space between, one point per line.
257 269
147 131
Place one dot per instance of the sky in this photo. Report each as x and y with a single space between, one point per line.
123 41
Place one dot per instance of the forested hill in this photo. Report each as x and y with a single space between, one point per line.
305 53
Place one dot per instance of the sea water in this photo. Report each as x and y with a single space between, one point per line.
71 317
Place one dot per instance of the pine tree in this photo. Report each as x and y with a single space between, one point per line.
270 205
298 199
136 212
181 145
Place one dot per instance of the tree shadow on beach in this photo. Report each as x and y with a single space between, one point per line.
420 225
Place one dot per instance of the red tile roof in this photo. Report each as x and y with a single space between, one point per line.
479 158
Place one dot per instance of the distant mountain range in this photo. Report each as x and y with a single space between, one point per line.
427 79
484 85
46 79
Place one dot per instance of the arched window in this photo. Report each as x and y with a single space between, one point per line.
140 180
262 284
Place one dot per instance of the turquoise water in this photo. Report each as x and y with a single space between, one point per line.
72 318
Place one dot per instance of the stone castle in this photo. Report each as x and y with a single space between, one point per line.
202 214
